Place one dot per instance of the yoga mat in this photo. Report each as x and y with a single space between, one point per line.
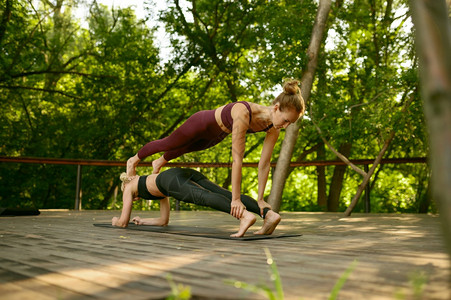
13 212
197 231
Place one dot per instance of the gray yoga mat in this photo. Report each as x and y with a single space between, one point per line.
198 231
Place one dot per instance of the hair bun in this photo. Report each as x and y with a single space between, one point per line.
291 97
125 179
291 87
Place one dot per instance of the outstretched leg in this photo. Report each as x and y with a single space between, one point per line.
271 218
182 185
250 203
198 132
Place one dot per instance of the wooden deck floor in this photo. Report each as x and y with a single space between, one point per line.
61 255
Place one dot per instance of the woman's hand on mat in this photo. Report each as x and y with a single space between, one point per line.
262 204
237 208
137 221
116 222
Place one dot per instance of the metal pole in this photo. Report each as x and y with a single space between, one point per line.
78 188
367 193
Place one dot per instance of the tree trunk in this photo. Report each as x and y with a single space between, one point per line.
56 46
425 200
321 182
433 30
336 185
283 164
367 176
111 191
5 17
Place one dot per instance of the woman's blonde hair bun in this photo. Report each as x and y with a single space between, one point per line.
125 179
291 97
291 87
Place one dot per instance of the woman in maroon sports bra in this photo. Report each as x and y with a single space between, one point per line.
207 128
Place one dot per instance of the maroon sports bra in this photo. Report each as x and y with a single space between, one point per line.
226 116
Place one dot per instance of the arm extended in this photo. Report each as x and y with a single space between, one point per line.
240 117
163 220
264 166
127 203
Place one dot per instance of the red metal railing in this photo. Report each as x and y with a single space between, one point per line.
109 163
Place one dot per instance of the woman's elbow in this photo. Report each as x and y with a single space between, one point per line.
163 220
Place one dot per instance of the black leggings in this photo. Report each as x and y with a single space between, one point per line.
188 185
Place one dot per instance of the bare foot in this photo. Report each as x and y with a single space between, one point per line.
157 164
132 162
270 223
246 221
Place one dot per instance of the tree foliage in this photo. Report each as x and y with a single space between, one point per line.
99 88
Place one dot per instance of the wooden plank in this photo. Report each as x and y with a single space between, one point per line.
64 251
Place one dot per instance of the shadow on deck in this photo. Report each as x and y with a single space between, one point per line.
61 255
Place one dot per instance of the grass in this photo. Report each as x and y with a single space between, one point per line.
179 292
276 292
342 280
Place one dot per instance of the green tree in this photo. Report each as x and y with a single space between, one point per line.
97 89
362 81
72 92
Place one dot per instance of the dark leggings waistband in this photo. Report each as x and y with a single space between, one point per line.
143 192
